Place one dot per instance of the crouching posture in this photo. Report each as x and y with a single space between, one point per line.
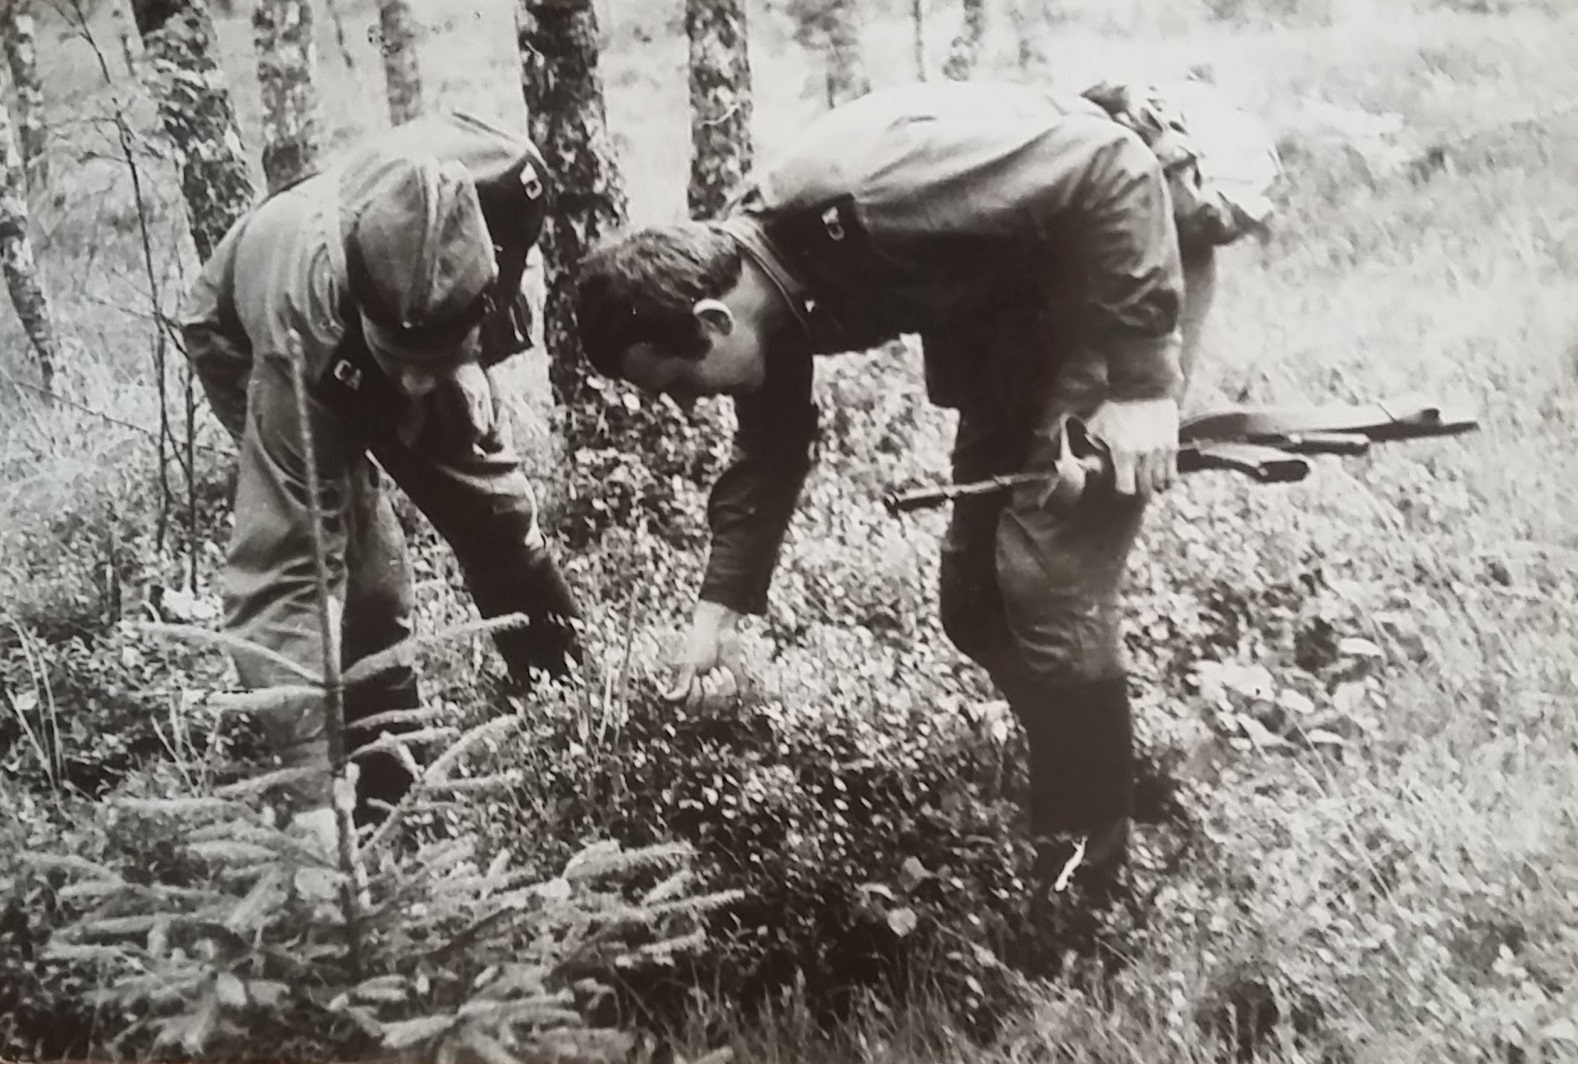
1030 240
391 280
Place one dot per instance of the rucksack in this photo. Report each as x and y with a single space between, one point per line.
1221 164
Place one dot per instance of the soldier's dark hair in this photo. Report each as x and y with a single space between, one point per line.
640 288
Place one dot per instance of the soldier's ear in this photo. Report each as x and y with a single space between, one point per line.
714 315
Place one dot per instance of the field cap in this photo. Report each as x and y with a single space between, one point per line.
420 262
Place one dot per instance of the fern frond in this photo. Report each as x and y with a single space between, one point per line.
126 925
227 641
663 950
252 786
178 807
415 1030
605 858
275 700
92 889
266 893
492 731
405 653
391 741
68 863
389 988
232 851
669 887
66 951
697 904
413 716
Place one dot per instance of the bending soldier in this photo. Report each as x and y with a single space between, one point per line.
1030 240
392 279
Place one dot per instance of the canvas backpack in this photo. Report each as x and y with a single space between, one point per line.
1221 164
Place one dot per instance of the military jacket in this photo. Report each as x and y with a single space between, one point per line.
926 209
281 270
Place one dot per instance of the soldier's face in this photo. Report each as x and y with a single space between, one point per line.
417 374
733 364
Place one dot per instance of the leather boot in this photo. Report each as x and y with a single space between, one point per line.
1080 772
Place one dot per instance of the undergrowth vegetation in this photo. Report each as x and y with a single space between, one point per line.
1355 696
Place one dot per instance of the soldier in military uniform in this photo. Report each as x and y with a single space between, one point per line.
391 281
1030 239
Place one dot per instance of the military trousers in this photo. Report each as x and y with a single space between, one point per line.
482 505
1030 590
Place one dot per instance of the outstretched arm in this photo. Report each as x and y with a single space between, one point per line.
749 511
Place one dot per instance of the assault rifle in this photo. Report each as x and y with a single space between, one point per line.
1267 444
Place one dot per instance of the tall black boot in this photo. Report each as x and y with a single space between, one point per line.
1081 775
381 776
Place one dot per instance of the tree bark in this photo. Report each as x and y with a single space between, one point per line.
402 71
21 53
283 36
721 103
558 42
965 51
919 39
195 107
16 254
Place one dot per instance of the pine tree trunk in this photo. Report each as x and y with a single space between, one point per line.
721 103
283 36
965 52
847 73
919 39
21 53
402 72
16 254
194 104
558 42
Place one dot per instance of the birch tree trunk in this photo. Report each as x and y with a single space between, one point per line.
721 103
195 107
402 71
558 42
16 254
965 51
21 53
283 36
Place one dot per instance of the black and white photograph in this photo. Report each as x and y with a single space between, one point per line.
789 531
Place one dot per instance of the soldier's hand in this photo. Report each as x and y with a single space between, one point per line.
710 658
1141 438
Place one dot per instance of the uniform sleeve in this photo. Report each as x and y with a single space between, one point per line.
216 344
753 499
1123 221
